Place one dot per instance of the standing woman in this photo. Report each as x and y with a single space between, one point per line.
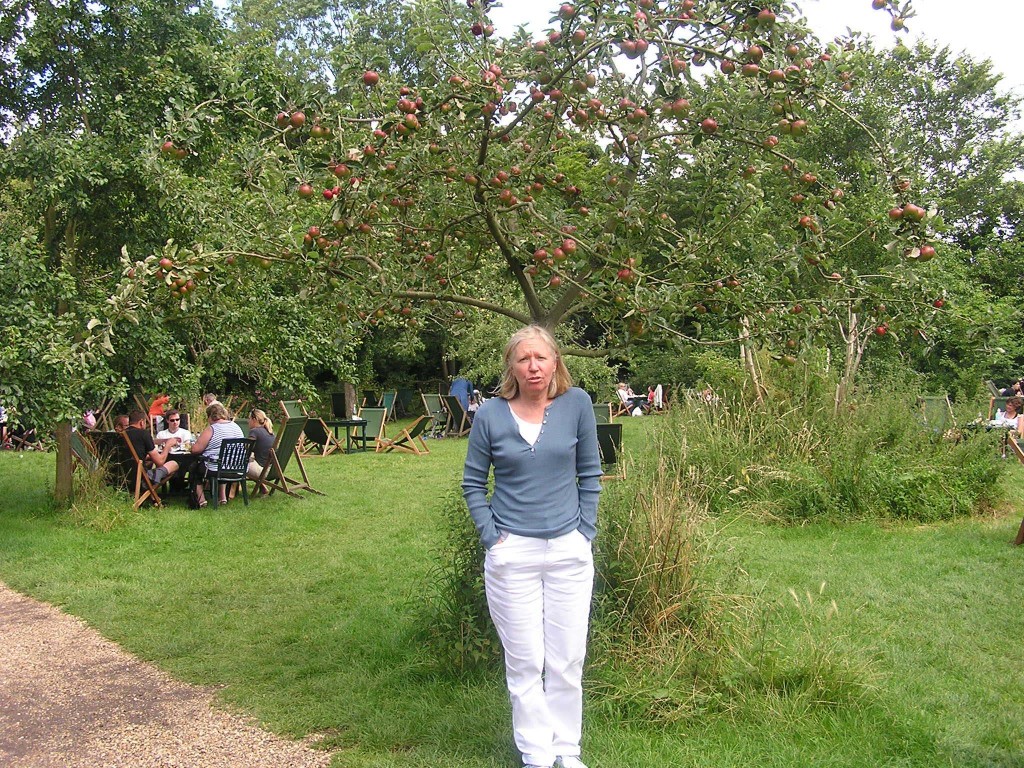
540 438
221 427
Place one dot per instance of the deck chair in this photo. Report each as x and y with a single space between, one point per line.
318 439
24 438
284 450
83 452
996 404
609 444
232 463
130 473
387 402
406 439
374 431
622 406
434 406
458 420
292 409
993 390
936 414
103 418
603 413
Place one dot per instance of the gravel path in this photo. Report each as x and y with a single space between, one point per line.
70 698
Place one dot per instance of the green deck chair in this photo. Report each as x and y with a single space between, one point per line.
609 444
318 439
407 438
936 414
374 432
996 404
603 413
281 455
292 409
83 453
434 406
458 418
387 402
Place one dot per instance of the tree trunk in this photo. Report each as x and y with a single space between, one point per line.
63 486
856 341
749 361
351 403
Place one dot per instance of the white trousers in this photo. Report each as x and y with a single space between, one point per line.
538 593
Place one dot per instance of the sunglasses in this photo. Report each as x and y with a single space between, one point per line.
174 420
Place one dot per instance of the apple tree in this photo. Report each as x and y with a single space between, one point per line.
591 179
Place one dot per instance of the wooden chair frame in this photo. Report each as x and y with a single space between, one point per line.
433 405
286 445
149 493
83 452
371 415
318 439
406 439
458 418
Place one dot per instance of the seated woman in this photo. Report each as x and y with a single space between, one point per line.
1011 417
221 428
261 429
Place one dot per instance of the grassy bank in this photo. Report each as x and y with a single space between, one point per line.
303 612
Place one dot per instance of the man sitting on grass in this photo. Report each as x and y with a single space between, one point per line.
142 441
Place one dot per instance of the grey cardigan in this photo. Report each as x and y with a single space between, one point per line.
545 490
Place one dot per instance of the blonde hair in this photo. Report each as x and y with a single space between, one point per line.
217 411
508 387
261 418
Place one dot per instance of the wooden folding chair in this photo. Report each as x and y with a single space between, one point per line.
387 402
937 414
623 407
103 418
434 406
24 438
83 452
406 439
284 450
135 477
318 439
458 419
996 403
293 409
375 429
609 444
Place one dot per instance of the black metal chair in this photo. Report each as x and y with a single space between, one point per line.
232 464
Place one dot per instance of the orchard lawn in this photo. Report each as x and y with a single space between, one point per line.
303 613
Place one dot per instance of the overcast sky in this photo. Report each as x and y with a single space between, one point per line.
986 29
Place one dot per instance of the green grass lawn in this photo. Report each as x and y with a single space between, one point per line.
303 613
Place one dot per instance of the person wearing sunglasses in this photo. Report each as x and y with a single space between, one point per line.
179 438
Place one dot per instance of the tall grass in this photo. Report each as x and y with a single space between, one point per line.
792 458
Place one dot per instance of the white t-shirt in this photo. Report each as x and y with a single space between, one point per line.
530 432
184 434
